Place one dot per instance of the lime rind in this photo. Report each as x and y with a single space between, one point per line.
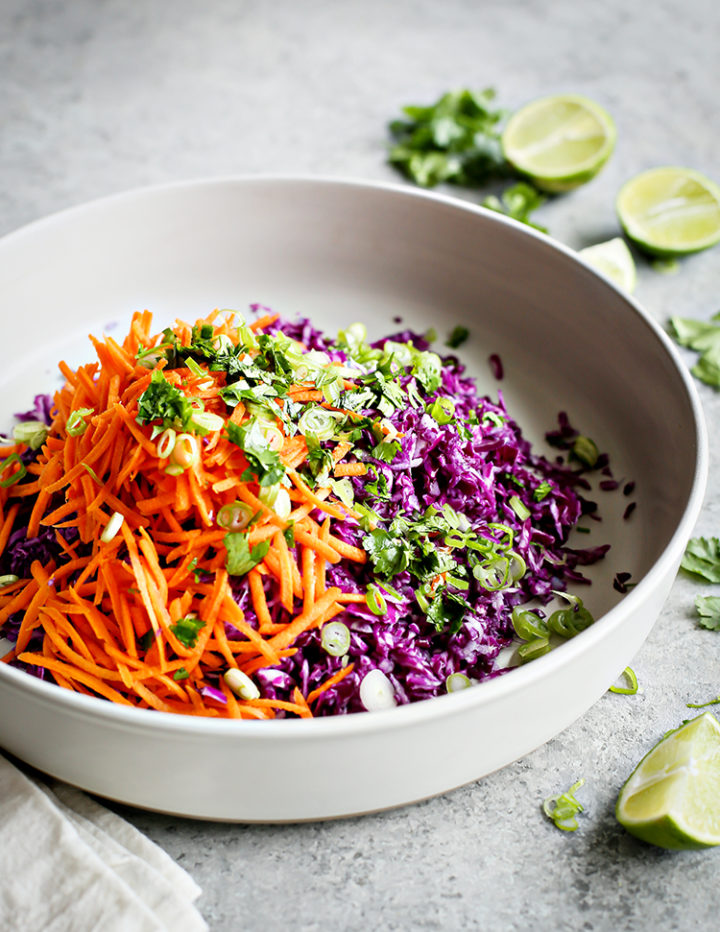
659 208
672 798
544 126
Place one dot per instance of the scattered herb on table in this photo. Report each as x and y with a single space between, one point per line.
704 338
518 202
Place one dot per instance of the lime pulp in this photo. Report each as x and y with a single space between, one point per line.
614 260
560 142
672 798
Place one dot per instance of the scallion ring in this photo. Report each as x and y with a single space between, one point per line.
632 683
456 682
166 443
112 527
442 410
235 516
32 433
375 600
528 625
76 423
335 638
185 452
376 692
8 580
12 477
241 684
319 422
207 421
532 649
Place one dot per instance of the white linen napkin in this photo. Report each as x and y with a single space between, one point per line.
67 864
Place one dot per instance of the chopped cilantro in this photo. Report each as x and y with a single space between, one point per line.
181 674
455 140
186 630
708 608
264 463
518 201
704 338
702 557
240 557
162 401
457 337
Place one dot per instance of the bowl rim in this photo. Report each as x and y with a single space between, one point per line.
491 691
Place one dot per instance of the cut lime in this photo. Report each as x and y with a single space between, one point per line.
560 142
613 259
670 211
672 798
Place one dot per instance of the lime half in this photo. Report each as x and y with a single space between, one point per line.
560 142
672 798
613 259
670 211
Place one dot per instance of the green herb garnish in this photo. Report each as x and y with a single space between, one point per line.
454 140
457 337
186 630
264 464
162 401
704 338
241 558
518 202
702 557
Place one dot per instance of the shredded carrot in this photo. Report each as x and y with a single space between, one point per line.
139 606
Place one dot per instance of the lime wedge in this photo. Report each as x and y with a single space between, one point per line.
613 259
672 798
670 211
560 142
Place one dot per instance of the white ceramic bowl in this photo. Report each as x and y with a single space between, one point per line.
340 251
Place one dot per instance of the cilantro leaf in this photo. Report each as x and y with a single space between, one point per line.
518 201
186 630
389 553
240 557
457 337
705 339
162 401
708 608
702 557
447 611
455 140
264 463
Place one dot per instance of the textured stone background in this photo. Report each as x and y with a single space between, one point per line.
100 95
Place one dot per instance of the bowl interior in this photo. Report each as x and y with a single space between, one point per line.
338 252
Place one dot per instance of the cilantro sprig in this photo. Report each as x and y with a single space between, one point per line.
454 140
704 337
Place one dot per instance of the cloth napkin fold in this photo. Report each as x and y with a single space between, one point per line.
67 864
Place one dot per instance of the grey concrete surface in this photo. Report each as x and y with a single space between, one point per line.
97 96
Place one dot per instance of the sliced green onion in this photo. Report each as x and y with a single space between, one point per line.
32 433
8 580
76 423
519 508
241 684
174 470
457 681
180 674
586 451
375 600
319 422
235 516
335 638
276 498
376 692
631 689
567 622
563 808
186 451
166 443
442 410
532 649
112 527
12 477
528 625
194 367
207 421
223 343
